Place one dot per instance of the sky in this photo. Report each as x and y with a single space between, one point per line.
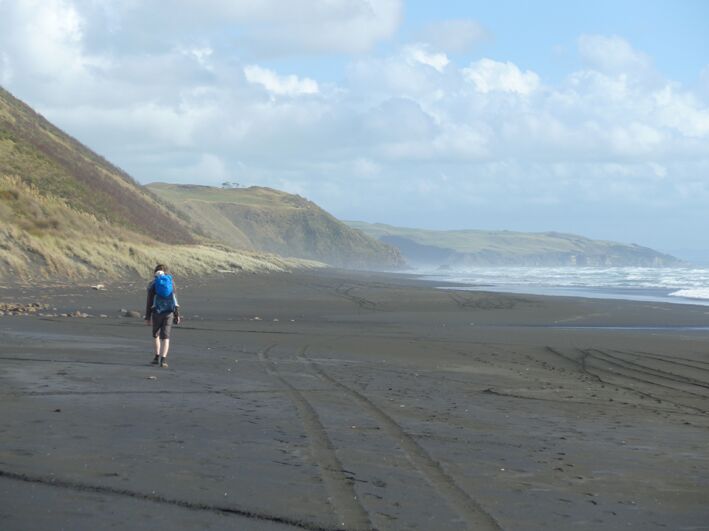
583 117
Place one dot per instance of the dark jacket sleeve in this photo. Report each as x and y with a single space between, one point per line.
149 301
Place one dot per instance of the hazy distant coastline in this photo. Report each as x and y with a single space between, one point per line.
456 249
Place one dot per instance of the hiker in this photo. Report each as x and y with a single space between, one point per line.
162 310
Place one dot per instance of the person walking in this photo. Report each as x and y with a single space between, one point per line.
162 311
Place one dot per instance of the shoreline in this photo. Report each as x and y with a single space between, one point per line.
585 293
547 292
575 283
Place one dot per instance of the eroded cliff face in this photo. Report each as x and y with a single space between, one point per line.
269 220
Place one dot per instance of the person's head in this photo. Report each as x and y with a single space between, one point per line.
160 268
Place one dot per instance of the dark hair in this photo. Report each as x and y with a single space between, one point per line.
160 267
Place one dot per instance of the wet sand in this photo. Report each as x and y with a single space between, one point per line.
334 400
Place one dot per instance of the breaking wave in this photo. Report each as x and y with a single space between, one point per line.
635 283
700 293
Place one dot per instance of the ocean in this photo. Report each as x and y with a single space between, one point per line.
677 285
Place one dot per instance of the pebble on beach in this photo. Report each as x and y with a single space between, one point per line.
12 308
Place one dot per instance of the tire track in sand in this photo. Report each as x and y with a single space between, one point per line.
580 363
344 498
469 509
362 302
76 486
674 360
621 354
652 375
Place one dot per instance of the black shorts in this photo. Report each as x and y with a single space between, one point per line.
162 324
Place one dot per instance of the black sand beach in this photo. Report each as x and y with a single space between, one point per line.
331 400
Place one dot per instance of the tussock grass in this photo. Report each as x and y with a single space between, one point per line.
42 155
46 238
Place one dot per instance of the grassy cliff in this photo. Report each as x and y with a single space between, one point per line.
506 248
58 241
264 219
42 156
66 212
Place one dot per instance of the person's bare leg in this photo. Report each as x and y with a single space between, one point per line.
156 350
164 348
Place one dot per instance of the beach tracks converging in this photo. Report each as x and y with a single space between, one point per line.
647 376
344 497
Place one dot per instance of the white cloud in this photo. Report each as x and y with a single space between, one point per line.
490 76
463 142
50 35
209 167
611 54
397 75
160 126
201 54
282 85
635 139
5 69
366 168
419 53
704 81
454 36
681 111
350 26
263 27
42 48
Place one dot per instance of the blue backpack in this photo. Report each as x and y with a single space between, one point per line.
164 301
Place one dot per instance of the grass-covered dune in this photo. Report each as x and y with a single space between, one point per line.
42 237
42 156
269 220
507 248
67 213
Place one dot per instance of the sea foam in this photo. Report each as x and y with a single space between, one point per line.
634 283
697 293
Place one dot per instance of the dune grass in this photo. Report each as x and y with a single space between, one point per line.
47 239
43 156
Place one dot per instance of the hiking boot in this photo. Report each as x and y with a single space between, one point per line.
163 363
155 361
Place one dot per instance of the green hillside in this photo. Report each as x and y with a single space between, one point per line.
42 156
506 248
65 212
264 219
